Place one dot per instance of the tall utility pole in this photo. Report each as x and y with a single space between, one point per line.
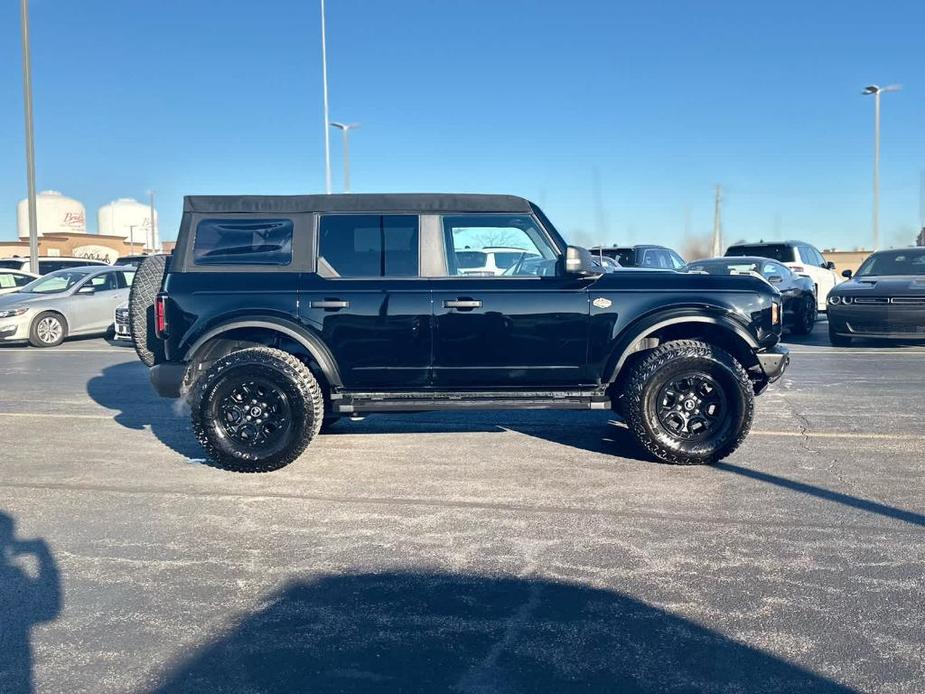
717 248
603 233
324 86
154 239
876 91
30 137
131 238
345 128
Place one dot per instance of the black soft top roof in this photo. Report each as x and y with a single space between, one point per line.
375 202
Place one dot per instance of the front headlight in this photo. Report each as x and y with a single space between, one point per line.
12 312
834 299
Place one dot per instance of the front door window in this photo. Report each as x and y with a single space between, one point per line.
497 246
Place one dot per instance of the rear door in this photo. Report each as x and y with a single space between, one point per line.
94 312
525 329
368 302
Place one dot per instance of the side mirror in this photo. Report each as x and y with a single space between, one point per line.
847 273
829 265
87 289
579 262
775 279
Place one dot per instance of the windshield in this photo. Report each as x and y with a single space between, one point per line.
506 259
780 252
55 283
894 263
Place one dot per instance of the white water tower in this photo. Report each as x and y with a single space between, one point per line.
55 214
130 219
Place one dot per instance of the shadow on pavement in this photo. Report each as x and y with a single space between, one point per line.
30 593
827 494
125 387
436 632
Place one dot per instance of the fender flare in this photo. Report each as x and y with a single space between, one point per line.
644 327
313 345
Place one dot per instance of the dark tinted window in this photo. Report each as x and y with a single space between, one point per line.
911 262
365 245
105 282
775 251
243 242
11 264
471 259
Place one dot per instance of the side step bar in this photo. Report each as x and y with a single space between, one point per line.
353 403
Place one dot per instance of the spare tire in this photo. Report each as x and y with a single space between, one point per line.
146 285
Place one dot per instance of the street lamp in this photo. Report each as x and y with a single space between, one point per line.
345 128
30 139
876 91
324 86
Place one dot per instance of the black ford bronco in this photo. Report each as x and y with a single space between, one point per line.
277 315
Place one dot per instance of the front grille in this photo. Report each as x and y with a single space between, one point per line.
871 300
908 300
886 328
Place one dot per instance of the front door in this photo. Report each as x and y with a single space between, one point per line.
517 324
95 312
368 303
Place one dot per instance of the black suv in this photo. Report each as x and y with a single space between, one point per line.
277 315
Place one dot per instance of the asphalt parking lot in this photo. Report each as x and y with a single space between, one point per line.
495 552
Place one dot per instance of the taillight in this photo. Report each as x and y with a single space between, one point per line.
775 313
160 315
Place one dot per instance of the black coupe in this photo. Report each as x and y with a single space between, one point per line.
884 300
797 291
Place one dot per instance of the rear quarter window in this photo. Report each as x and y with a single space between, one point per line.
243 242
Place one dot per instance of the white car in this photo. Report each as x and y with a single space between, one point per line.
14 280
802 258
121 331
490 261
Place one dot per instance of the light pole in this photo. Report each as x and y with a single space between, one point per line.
30 139
324 85
876 91
131 238
345 128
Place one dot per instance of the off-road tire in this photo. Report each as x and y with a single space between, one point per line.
674 360
285 372
838 340
145 286
808 315
34 338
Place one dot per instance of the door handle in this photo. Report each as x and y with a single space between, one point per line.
463 304
330 304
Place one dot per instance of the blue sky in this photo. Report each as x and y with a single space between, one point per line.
657 101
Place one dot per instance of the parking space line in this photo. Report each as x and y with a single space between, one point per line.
859 353
845 435
50 415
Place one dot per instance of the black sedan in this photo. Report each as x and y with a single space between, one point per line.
884 300
798 293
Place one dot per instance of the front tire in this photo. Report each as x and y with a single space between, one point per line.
807 320
47 330
256 409
689 403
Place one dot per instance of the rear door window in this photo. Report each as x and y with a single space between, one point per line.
368 245
243 242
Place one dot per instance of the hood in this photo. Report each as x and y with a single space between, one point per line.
888 285
26 299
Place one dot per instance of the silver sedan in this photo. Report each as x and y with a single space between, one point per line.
76 301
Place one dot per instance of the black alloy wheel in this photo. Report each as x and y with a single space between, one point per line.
692 406
255 413
806 320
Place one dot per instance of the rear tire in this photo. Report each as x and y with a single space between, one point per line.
836 339
47 330
256 409
145 286
688 403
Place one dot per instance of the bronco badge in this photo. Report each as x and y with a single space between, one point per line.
602 302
